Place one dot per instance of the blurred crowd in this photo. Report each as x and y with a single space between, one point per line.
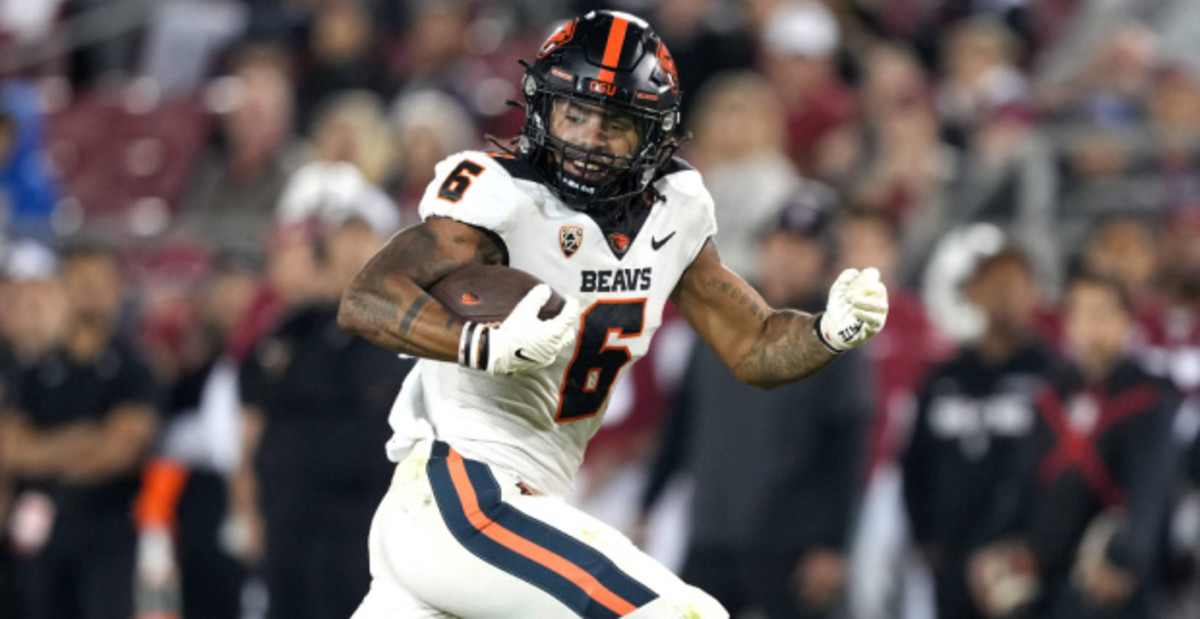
187 185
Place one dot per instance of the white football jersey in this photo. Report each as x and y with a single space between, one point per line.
537 425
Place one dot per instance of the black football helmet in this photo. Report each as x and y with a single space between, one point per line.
615 61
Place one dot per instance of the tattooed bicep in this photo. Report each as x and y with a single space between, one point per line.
491 248
480 244
429 251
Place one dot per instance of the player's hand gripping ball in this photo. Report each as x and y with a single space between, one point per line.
514 323
857 310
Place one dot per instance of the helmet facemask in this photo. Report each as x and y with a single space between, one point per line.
583 176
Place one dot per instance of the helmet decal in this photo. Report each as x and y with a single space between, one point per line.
667 64
564 34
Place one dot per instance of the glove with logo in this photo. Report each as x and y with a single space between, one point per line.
522 342
856 311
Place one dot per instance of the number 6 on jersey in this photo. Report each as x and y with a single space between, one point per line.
596 363
459 180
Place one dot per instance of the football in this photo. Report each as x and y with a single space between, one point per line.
488 292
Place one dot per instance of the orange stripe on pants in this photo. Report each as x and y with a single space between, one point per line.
526 548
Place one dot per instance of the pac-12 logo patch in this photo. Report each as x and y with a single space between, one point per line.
570 238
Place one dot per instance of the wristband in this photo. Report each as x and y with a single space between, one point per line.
473 346
821 335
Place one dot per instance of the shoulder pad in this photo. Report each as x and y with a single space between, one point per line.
472 187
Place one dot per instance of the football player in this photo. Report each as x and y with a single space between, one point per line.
491 425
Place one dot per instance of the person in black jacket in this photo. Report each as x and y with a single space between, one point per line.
32 311
75 435
315 403
974 414
1102 468
776 484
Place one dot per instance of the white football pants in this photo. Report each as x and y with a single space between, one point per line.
455 538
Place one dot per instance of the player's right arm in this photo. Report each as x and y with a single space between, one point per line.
386 303
768 347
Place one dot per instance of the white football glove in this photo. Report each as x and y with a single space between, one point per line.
856 311
522 342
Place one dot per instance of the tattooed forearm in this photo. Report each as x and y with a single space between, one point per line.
763 346
387 304
787 351
411 314
377 319
725 287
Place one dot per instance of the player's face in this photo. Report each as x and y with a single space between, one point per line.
593 128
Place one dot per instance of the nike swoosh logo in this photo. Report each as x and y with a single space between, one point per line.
520 355
655 244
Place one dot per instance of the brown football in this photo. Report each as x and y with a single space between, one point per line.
488 292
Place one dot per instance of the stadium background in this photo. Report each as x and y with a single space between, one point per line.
213 135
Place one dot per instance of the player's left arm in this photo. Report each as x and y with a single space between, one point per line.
387 304
768 347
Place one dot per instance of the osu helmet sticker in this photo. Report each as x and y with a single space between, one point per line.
560 36
667 63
